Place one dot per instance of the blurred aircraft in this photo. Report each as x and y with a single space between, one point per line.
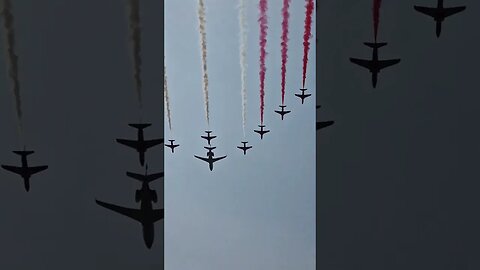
244 147
325 124
171 145
282 112
208 137
141 145
146 215
261 131
439 13
24 171
375 65
303 95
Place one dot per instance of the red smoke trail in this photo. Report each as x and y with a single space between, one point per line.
263 43
286 15
306 36
376 16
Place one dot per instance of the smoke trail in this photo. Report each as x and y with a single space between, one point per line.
306 36
134 25
376 16
286 15
263 43
167 100
12 58
243 62
203 44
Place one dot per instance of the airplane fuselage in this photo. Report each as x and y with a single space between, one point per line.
148 213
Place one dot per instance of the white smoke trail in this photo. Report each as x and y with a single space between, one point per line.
203 46
167 100
243 62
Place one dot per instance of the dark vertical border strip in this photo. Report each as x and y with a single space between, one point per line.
317 186
162 117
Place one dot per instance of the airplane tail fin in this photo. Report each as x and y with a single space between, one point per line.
140 126
145 178
375 45
23 153
210 148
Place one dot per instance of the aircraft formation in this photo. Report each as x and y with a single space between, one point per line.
146 215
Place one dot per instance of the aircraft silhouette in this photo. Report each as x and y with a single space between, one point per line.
146 215
303 95
439 13
208 137
325 124
141 145
282 112
24 171
244 147
261 131
374 65
210 157
171 145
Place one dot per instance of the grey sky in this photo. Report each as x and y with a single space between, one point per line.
255 211
397 173
78 96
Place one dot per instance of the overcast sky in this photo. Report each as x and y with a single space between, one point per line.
255 211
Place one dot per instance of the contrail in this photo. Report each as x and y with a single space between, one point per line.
376 16
263 43
167 101
306 36
286 15
203 45
12 58
134 25
243 62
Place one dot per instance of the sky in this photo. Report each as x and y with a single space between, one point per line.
398 171
255 211
78 95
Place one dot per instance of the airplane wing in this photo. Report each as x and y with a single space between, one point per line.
129 143
202 158
37 169
131 213
362 62
154 176
151 143
157 214
14 169
426 10
217 159
386 63
321 125
452 10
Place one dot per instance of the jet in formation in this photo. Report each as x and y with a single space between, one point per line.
244 147
146 215
303 96
375 65
324 124
282 112
210 157
261 131
171 145
24 171
141 145
208 137
439 13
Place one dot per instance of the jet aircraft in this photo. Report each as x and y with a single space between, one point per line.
261 131
210 157
24 171
244 147
171 145
146 215
303 95
208 137
439 13
375 65
282 112
141 145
